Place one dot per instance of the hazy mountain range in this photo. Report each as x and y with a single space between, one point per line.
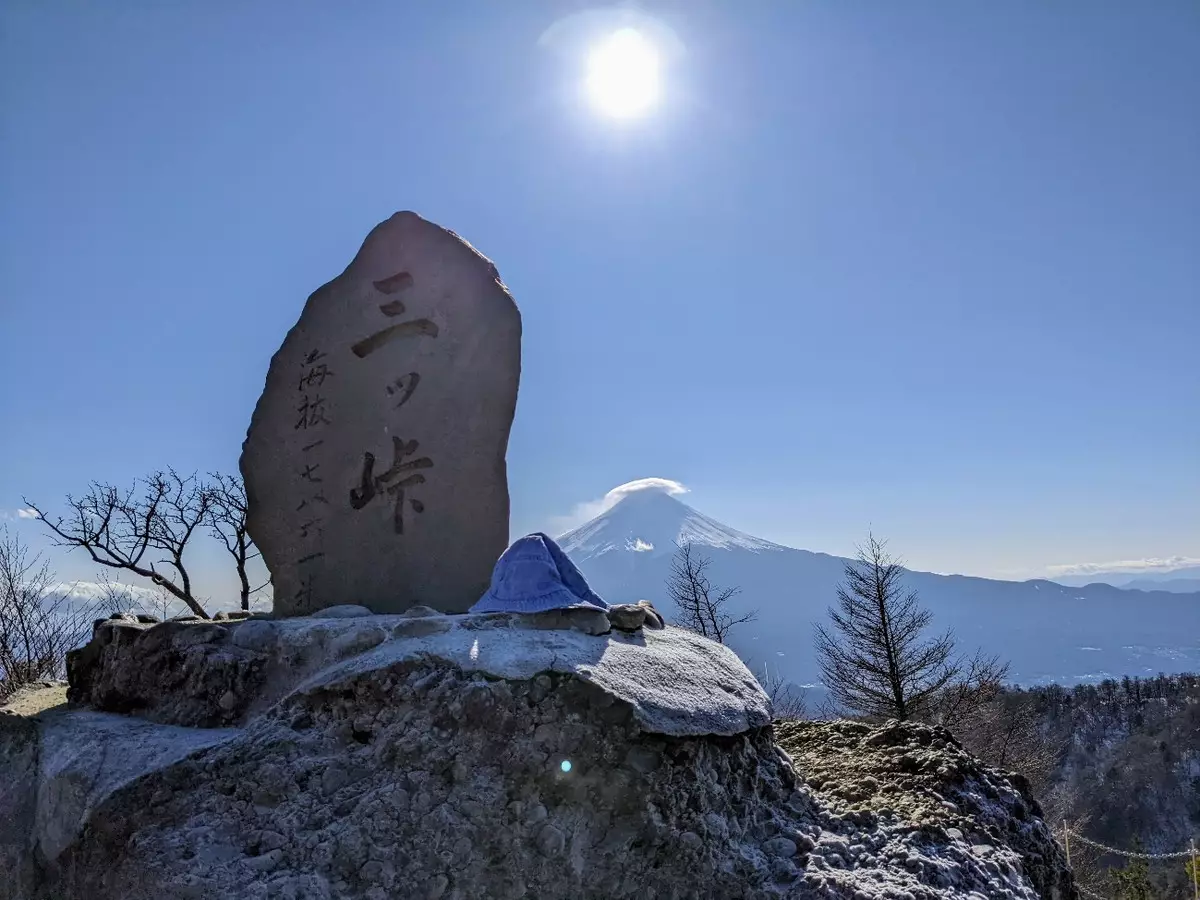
1182 580
1049 631
1173 585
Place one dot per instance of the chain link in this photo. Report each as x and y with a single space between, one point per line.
1129 853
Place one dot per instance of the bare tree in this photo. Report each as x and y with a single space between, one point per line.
701 604
979 682
158 604
226 520
128 530
787 700
829 710
38 623
114 596
1006 731
875 660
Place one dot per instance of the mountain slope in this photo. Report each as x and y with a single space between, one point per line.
1049 631
653 521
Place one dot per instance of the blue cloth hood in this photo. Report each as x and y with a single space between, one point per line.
534 575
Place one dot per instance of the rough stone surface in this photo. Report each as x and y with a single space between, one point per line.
345 611
19 740
491 760
375 460
654 619
174 672
223 616
211 674
949 801
588 619
627 616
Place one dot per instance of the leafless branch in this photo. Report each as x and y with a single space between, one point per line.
38 622
128 530
114 596
226 520
701 605
980 681
787 700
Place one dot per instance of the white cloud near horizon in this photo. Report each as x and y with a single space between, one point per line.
589 509
1132 566
94 590
9 515
145 599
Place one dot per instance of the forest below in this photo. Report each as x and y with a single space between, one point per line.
1117 762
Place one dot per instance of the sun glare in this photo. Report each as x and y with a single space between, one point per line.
623 74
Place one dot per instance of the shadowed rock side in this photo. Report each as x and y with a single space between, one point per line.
375 461
450 757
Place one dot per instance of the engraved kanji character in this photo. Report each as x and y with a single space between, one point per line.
414 328
312 527
393 481
319 497
304 593
393 284
404 386
312 412
397 491
316 375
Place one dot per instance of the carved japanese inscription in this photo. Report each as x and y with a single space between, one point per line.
375 460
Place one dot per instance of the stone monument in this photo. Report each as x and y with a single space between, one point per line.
375 460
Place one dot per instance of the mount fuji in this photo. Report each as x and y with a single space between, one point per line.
1048 631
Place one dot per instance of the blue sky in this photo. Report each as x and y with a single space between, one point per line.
930 267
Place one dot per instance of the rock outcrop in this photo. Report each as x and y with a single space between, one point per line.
490 756
944 813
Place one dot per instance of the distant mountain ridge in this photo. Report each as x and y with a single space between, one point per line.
1174 585
1049 631
1177 579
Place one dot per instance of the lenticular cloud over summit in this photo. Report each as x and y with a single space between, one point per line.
588 510
619 493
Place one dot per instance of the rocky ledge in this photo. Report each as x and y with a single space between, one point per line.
430 756
917 802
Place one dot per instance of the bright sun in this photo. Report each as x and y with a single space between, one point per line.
623 74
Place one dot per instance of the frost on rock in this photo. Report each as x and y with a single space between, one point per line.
470 757
912 796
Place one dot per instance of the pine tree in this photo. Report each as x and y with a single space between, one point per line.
1133 881
875 660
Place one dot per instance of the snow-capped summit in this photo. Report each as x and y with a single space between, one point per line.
646 517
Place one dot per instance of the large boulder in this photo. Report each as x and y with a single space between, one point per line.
375 460
432 756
